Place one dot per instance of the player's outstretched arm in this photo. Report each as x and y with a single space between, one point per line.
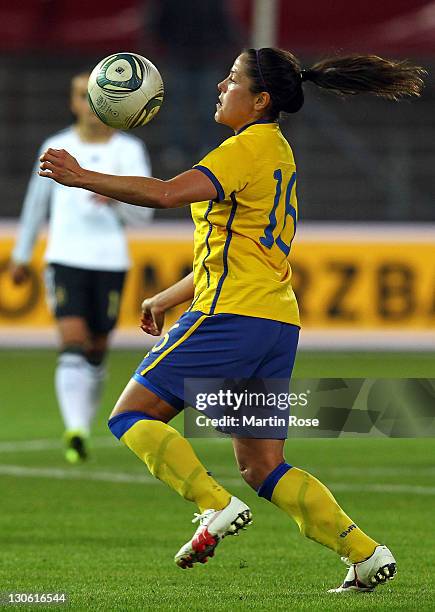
191 186
154 308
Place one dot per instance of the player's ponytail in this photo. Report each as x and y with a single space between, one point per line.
354 74
279 73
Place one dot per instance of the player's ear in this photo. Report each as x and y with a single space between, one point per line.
262 101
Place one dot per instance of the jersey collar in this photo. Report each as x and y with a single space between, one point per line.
254 123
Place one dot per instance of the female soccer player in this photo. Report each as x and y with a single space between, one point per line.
243 320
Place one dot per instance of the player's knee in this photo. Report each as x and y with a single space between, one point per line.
117 410
254 472
249 475
73 331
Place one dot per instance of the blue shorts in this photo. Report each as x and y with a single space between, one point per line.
217 346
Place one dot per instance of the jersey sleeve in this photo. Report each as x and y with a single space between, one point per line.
229 167
33 213
135 162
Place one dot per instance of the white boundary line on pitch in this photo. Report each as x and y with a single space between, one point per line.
19 471
51 444
23 446
43 444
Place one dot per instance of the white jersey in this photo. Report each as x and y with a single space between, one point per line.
83 232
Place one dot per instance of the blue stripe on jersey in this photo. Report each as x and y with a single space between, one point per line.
219 189
225 255
194 302
207 243
253 123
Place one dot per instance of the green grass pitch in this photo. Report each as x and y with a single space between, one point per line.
105 533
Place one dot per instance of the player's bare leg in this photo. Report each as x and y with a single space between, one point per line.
140 419
137 397
257 458
315 510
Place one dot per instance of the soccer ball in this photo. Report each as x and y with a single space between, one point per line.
125 90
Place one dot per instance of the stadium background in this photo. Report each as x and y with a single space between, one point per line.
364 263
365 162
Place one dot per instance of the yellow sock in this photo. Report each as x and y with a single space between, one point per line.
316 512
170 458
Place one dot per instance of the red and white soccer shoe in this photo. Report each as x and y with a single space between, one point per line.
214 525
368 574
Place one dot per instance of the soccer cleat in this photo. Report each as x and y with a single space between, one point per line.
214 525
366 575
75 451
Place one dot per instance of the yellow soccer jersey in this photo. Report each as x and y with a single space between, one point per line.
243 237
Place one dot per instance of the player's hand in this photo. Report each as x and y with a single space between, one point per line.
19 273
62 167
153 317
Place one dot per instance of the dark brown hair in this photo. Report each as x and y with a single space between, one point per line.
279 73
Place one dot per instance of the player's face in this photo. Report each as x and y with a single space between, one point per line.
237 106
79 102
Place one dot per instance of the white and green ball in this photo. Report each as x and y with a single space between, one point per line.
125 90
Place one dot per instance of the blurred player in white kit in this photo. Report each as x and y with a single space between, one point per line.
87 258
